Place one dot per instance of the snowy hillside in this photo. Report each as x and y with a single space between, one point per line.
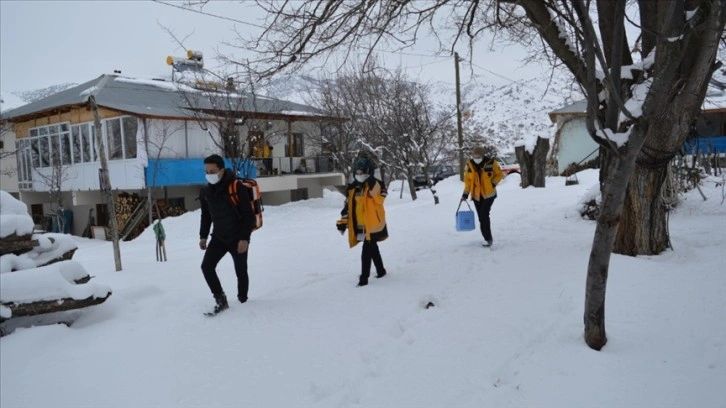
508 113
505 328
519 110
40 93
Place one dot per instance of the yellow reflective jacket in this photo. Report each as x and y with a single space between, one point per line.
480 182
363 211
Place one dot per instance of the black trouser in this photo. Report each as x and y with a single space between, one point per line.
482 210
214 253
371 253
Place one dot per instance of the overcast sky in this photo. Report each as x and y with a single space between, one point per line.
44 43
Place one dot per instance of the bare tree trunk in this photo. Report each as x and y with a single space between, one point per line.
526 165
106 183
533 166
540 161
606 229
643 228
411 186
148 183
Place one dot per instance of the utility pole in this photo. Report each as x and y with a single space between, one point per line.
148 186
105 182
458 117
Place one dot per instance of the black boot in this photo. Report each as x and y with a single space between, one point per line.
380 274
221 303
362 281
241 298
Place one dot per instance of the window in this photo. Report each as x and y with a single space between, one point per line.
55 154
65 145
77 144
176 202
44 149
50 145
82 141
113 136
298 147
101 215
35 151
130 126
89 145
24 163
36 211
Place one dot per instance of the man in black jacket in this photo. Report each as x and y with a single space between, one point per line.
232 229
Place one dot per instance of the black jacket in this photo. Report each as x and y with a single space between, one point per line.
231 224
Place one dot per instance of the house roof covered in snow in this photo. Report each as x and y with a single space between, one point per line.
159 98
578 108
715 100
9 101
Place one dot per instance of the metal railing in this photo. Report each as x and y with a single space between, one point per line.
280 166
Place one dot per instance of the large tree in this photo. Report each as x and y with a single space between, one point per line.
386 113
641 99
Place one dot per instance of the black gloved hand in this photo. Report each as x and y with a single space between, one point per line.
371 181
464 197
342 225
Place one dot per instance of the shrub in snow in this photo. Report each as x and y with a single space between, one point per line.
589 205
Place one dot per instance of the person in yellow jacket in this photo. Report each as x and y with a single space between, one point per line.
364 217
481 177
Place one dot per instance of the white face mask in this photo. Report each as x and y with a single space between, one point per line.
361 177
212 178
478 161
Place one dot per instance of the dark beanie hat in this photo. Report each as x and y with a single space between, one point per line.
365 165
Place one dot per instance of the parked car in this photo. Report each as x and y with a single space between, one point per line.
508 163
436 173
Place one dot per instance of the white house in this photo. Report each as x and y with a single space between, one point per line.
8 164
573 144
154 137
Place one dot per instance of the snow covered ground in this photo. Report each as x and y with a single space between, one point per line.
505 331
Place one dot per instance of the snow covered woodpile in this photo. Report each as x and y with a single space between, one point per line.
37 275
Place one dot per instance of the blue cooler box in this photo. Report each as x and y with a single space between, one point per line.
464 219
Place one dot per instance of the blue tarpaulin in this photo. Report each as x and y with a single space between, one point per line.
184 172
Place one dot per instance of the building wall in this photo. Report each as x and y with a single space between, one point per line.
8 162
188 139
74 115
124 175
575 144
169 139
176 139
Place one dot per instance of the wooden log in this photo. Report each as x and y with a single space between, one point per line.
17 246
13 237
83 280
51 306
65 257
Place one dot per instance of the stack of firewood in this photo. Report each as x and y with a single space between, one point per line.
125 205
170 211
73 272
18 245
